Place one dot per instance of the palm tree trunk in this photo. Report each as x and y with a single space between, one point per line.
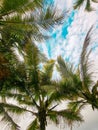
71 127
42 125
42 120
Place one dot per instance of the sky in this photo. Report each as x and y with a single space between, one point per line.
68 38
67 41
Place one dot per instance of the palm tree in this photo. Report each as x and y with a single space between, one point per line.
19 18
79 81
38 92
90 92
88 6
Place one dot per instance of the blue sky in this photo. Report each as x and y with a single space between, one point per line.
67 40
57 35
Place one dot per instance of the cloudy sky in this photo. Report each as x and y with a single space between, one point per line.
67 40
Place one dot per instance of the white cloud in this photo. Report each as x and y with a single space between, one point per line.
63 4
71 47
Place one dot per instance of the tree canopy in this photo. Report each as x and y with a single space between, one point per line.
29 81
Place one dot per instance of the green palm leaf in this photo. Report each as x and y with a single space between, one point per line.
84 63
69 116
11 6
8 118
45 18
78 4
34 125
88 6
46 74
13 108
53 117
66 70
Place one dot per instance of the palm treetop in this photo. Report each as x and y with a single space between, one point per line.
36 89
33 13
79 81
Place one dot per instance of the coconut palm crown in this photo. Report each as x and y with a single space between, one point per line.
36 92
82 88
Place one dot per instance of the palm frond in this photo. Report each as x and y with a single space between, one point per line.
17 23
78 4
77 105
69 116
48 67
88 6
21 98
18 27
46 74
49 18
31 6
13 6
88 90
42 57
49 88
10 95
31 62
84 62
13 108
31 52
65 69
94 89
34 125
70 89
53 117
8 118
57 97
64 90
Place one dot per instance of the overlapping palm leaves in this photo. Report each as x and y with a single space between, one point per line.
79 81
22 18
36 90
88 6
86 74
34 84
19 18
